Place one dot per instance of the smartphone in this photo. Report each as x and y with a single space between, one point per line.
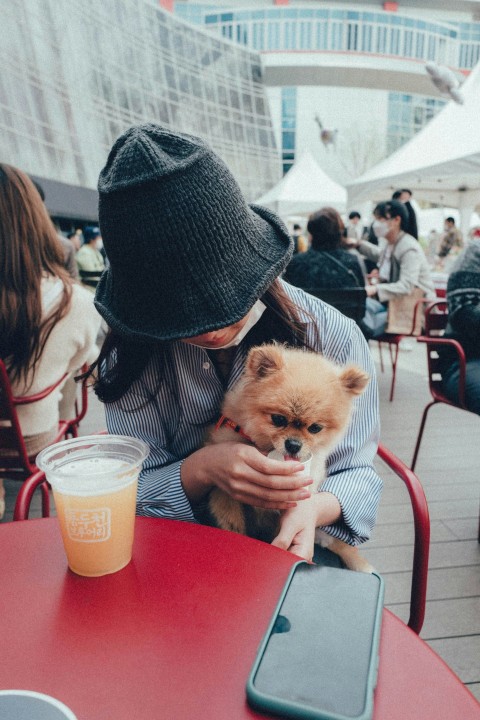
319 657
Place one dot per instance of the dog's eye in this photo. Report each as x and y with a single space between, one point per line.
315 428
279 420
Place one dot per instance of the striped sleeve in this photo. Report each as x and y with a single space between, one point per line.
160 490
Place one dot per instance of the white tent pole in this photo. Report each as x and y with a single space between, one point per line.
468 199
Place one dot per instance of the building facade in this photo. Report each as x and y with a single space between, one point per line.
77 73
358 67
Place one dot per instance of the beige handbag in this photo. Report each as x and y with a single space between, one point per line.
400 314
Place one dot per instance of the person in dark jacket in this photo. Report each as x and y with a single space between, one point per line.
404 196
327 264
463 297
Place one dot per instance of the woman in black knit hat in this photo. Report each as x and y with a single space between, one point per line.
192 284
463 297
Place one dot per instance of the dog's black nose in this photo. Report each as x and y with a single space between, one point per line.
293 446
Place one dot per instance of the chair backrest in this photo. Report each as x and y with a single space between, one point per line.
13 453
436 319
90 277
351 301
14 458
421 521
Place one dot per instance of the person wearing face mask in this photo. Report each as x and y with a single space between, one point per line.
193 282
89 259
402 265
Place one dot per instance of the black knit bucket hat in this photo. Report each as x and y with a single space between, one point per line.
187 254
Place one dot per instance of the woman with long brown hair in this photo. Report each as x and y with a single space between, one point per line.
48 324
193 282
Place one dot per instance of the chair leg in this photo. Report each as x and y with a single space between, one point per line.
45 500
394 359
380 355
420 435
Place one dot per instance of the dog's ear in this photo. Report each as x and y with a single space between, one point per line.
264 360
354 379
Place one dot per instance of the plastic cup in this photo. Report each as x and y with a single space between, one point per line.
275 455
94 481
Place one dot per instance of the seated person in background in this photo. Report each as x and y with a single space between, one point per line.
48 323
451 242
76 238
354 228
327 264
463 297
89 258
300 244
402 265
68 248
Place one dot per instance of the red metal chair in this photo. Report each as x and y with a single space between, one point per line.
420 516
421 548
15 463
393 341
436 318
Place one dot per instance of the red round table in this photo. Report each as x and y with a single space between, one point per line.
174 634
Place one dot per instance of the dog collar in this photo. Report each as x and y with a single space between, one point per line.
224 421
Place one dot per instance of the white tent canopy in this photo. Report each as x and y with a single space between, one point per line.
304 189
440 164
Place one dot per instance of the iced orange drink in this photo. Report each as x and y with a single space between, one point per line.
94 481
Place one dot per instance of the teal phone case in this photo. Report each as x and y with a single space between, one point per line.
319 657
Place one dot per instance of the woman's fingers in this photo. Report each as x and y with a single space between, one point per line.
251 478
249 486
297 530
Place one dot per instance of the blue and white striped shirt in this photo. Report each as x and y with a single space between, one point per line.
173 423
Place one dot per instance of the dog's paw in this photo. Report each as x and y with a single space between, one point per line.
359 564
349 555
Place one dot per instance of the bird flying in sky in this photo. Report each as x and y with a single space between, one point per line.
445 80
328 137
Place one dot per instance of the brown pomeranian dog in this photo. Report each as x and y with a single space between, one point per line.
299 404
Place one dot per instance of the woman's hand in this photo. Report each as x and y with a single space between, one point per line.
298 525
297 530
246 475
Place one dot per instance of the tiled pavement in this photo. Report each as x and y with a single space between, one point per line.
448 467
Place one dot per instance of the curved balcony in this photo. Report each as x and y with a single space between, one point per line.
315 46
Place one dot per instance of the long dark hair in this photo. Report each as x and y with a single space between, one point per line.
29 251
122 361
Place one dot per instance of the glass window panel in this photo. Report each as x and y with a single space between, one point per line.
352 36
381 39
394 41
420 45
408 43
234 98
273 36
288 140
367 40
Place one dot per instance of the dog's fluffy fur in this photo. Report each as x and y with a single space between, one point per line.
288 399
